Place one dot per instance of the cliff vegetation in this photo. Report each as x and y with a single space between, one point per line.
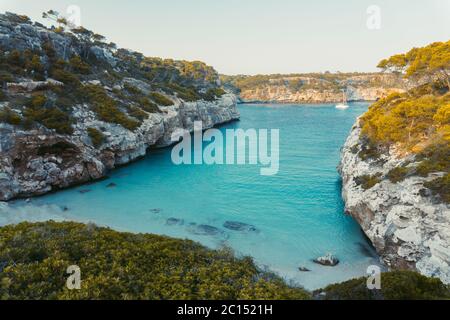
418 121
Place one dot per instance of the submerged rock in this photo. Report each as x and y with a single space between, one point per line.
303 269
174 221
111 185
84 191
204 230
327 260
156 210
239 226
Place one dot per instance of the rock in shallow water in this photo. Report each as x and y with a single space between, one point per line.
239 226
204 230
303 269
327 260
174 221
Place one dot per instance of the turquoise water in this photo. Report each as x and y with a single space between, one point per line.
298 213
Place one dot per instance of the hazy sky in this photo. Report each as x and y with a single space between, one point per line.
260 36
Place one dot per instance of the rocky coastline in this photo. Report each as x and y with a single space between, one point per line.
409 228
27 170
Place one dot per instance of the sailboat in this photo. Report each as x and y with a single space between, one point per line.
343 105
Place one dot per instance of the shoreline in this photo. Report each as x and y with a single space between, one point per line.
301 103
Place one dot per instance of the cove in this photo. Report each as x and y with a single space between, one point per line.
283 221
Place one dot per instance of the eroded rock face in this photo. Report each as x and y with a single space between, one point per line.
367 87
409 229
38 161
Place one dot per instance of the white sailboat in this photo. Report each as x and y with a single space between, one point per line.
343 105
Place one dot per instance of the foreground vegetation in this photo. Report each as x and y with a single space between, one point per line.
397 285
418 121
34 258
115 265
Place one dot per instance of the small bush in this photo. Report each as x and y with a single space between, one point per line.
132 89
369 151
434 159
65 77
106 108
187 94
440 187
160 99
59 148
368 181
79 66
51 117
398 174
9 116
397 285
213 93
148 106
96 136
137 113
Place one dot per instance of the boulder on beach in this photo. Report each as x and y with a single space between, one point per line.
327 260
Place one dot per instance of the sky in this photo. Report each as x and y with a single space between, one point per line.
261 36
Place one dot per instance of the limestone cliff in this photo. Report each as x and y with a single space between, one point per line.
409 228
314 88
26 169
73 107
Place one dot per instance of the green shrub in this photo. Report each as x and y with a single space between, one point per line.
440 187
118 265
65 77
435 158
15 58
148 106
213 93
10 116
59 148
132 89
368 181
79 66
137 113
51 117
5 77
398 174
187 94
369 151
106 108
160 99
97 137
397 285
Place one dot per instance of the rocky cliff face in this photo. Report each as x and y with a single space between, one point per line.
38 161
315 88
282 94
73 107
409 228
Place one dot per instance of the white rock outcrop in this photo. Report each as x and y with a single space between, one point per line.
409 229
